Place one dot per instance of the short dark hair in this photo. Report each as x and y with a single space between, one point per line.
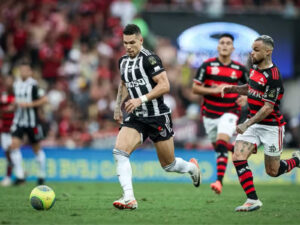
131 29
226 35
266 40
25 62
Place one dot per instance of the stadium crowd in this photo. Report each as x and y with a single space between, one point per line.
74 45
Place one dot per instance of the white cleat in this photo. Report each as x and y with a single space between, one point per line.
196 177
125 204
296 154
6 182
249 205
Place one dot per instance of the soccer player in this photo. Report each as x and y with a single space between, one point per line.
220 115
265 124
144 79
6 117
29 97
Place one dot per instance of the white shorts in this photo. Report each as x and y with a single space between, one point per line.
226 124
271 137
5 141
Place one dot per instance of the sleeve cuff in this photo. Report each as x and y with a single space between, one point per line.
197 82
267 100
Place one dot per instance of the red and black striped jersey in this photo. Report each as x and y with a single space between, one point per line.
213 73
265 86
6 117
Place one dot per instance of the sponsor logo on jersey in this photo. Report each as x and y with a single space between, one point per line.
254 93
215 70
135 83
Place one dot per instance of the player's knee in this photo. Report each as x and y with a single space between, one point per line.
237 156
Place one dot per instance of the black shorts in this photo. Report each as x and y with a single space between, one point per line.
34 134
157 128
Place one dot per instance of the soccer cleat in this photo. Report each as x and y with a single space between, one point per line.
19 182
296 154
125 204
249 205
217 187
196 177
41 181
6 182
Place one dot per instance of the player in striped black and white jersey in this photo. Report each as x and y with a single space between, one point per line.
145 81
28 97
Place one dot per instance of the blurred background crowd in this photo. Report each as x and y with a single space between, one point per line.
74 47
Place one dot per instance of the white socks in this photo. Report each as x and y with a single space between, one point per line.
124 172
40 158
180 166
16 158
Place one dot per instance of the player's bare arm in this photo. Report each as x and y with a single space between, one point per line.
162 87
37 103
259 116
240 89
121 96
201 90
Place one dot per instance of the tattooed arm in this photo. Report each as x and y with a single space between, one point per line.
259 116
240 89
121 96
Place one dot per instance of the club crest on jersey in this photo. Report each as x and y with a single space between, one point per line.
152 60
215 70
233 75
272 93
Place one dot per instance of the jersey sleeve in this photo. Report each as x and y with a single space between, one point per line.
272 90
37 92
200 74
153 65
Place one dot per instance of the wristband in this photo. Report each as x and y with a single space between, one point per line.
144 98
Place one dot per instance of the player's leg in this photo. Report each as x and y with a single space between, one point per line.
273 140
17 161
35 135
165 153
127 141
6 143
40 158
245 145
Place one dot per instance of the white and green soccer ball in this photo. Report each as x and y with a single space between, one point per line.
42 198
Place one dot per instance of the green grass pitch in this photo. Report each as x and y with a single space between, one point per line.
159 203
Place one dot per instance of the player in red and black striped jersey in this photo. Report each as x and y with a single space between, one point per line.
265 125
7 100
220 115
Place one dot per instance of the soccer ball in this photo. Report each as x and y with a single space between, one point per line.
42 197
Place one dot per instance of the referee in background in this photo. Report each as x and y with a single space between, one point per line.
28 97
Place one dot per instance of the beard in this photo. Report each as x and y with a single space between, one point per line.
257 61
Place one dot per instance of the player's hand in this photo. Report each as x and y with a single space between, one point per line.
118 115
241 128
226 89
24 105
242 100
132 104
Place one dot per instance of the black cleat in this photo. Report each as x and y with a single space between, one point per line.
19 182
41 181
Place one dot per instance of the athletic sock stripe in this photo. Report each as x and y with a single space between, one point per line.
245 176
220 173
170 165
239 163
221 142
222 160
250 190
221 167
247 184
119 152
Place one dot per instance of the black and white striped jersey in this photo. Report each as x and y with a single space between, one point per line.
25 92
137 74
